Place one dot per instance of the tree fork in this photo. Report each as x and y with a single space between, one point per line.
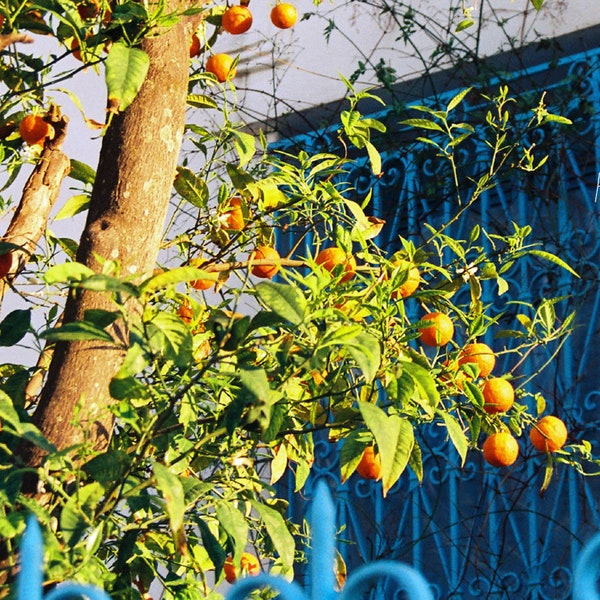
125 223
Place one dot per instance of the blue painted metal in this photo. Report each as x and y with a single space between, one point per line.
30 577
585 584
322 560
479 533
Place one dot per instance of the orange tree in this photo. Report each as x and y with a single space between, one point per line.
177 381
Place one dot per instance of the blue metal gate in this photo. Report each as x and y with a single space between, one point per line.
475 532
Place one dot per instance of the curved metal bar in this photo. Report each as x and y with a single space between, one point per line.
409 579
288 590
70 590
587 571
30 578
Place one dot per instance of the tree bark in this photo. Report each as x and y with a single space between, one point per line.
39 196
125 223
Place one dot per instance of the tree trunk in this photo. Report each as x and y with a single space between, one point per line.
125 223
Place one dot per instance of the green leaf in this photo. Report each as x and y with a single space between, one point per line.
67 273
171 488
278 532
201 101
366 352
272 196
98 282
278 465
170 336
457 435
14 327
549 117
126 70
537 4
239 178
101 318
351 453
395 440
374 158
76 331
173 277
286 301
422 124
82 172
464 24
424 382
73 206
473 393
191 188
416 462
108 467
244 145
10 417
235 526
216 553
129 388
553 259
256 382
78 510
456 100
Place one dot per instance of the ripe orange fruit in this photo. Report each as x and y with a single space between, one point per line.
233 219
438 331
186 313
265 253
194 46
479 354
35 130
330 258
369 466
92 51
249 565
5 264
549 434
500 449
88 9
284 15
200 284
237 19
499 395
412 281
221 66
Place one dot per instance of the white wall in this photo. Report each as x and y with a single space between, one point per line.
304 67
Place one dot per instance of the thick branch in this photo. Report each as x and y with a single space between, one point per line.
39 195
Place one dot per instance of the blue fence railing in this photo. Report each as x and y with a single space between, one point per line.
322 581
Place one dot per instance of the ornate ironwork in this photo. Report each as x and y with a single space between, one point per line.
322 583
475 532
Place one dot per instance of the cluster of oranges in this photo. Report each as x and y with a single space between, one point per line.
237 19
500 449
